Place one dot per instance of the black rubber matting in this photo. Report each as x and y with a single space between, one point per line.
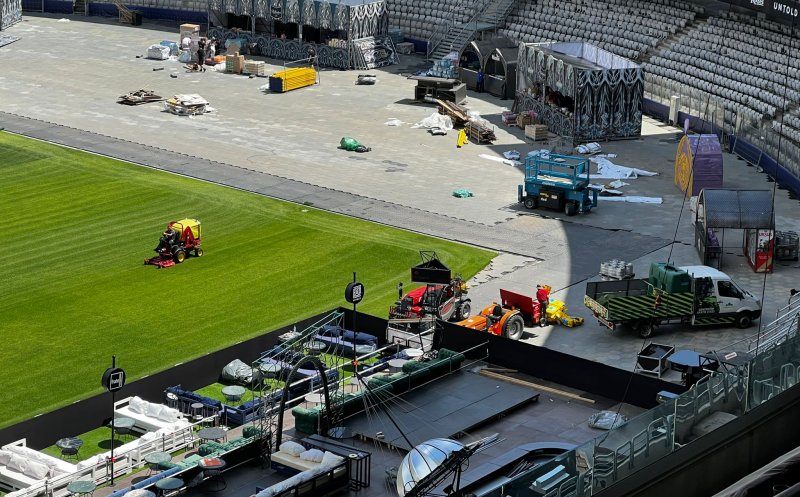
441 409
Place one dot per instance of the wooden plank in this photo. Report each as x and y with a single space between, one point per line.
529 384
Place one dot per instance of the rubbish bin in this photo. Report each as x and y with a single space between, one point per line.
136 19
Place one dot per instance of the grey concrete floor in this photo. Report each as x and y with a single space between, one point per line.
60 82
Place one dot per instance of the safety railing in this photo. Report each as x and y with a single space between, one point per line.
716 399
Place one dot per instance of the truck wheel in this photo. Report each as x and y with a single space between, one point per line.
463 310
646 329
529 202
179 256
513 327
743 320
571 208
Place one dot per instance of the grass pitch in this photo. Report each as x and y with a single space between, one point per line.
75 229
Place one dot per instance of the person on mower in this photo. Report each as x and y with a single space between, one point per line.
168 240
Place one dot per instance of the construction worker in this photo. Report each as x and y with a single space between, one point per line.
543 297
479 81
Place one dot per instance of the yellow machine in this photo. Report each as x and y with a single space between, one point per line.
192 224
557 314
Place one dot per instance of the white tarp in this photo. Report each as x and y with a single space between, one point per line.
500 159
435 120
634 199
158 52
608 170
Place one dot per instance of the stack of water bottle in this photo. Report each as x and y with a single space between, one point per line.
444 68
616 269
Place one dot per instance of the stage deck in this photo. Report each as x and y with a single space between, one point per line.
444 408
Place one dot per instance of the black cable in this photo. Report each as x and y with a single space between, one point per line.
704 119
775 179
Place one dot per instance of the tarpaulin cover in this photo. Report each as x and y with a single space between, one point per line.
238 372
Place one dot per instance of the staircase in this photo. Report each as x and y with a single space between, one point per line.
125 15
452 37
79 7
495 13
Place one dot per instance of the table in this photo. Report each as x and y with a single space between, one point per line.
687 362
683 360
397 364
735 359
123 426
156 459
213 433
270 369
315 347
413 353
168 484
197 411
69 446
212 468
233 393
81 487
314 398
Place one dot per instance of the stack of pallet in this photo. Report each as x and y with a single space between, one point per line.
292 79
234 63
479 132
456 112
255 67
536 132
525 118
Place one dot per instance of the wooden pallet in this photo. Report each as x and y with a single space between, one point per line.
456 112
479 133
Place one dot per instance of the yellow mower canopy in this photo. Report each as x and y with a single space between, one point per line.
193 224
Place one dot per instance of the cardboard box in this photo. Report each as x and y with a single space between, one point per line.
234 63
190 30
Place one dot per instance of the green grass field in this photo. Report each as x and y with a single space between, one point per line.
75 229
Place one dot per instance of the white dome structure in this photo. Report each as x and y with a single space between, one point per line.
422 460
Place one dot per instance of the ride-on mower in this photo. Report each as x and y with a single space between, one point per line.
180 238
497 320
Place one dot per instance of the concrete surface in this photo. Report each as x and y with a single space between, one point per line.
60 82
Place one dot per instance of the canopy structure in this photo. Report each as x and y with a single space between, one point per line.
10 13
288 28
501 72
475 56
748 210
580 91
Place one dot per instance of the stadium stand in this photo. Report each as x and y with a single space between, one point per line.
629 28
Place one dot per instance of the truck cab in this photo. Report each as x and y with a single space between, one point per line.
718 296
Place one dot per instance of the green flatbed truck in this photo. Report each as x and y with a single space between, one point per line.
690 295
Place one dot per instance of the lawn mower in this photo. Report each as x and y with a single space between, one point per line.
178 240
497 320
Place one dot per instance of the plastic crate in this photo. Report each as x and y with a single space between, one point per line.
786 245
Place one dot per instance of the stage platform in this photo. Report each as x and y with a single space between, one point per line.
444 408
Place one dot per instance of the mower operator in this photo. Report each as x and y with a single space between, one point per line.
168 239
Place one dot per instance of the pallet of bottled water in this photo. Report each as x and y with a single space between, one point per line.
616 269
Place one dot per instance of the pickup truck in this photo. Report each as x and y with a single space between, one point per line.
691 295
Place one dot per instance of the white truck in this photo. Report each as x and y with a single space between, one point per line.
693 295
